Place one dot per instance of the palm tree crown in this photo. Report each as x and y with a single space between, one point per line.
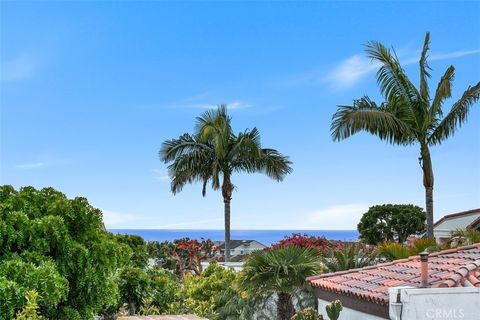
280 271
408 115
213 153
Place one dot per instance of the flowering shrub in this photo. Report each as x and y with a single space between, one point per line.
307 241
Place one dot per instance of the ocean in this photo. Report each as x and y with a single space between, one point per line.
267 237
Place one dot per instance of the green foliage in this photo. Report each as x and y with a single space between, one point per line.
352 256
164 288
307 314
395 251
334 309
57 247
464 237
201 293
423 244
391 222
139 248
19 277
134 286
148 308
281 272
30 310
153 289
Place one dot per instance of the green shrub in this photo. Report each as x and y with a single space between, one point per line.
464 237
395 251
201 293
352 256
30 310
57 247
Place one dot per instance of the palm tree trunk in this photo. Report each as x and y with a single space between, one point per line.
226 202
428 181
227 188
285 308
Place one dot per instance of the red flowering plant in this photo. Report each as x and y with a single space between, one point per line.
321 244
188 254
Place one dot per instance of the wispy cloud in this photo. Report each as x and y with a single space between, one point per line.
114 219
231 105
34 165
340 217
190 224
350 71
161 175
354 69
19 68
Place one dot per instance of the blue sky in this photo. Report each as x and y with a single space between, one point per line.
89 90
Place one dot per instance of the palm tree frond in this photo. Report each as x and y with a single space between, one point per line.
366 115
444 91
391 77
457 115
424 69
174 148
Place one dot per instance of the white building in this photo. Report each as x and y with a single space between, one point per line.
443 228
447 288
240 248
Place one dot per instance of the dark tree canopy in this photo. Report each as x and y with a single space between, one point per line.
57 247
391 222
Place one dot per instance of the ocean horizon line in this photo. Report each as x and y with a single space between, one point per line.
193 229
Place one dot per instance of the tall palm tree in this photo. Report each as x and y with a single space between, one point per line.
281 272
214 153
408 115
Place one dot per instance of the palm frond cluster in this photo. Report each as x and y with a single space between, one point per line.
215 151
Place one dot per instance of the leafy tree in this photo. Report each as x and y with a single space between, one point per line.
214 153
391 222
182 255
409 115
139 248
57 247
352 256
279 272
134 285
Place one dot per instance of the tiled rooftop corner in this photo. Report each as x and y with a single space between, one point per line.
164 317
447 268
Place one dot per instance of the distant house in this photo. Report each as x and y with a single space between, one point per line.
466 220
449 287
239 248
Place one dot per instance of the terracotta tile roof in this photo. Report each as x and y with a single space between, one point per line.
448 268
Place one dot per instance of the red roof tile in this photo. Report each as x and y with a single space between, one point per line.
448 268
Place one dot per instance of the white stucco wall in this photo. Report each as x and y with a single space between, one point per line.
436 303
346 314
